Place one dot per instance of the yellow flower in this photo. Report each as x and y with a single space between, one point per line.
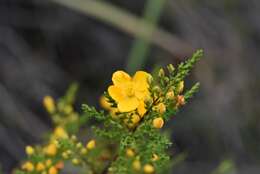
53 170
29 150
49 104
40 166
59 132
28 166
148 168
136 165
129 92
130 152
91 144
51 149
158 123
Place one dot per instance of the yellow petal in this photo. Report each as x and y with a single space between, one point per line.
141 80
128 104
120 78
142 95
116 93
141 109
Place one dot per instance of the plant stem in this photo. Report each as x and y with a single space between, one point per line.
141 46
130 24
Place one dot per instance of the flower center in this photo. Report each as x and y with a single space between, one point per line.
130 91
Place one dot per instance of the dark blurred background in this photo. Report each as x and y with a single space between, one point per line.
45 46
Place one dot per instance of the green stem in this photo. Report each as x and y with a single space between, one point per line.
141 46
130 24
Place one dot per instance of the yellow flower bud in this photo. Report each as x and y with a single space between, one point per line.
51 149
60 132
170 68
75 161
161 108
104 103
40 166
65 155
155 157
130 152
83 151
28 166
91 144
136 165
158 123
161 73
148 168
53 170
180 87
29 150
79 145
49 104
170 95
74 138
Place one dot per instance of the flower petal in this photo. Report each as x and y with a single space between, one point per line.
116 93
120 78
128 104
141 80
141 109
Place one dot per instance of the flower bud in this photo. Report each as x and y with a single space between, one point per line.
75 161
170 95
130 152
180 100
50 150
29 150
161 108
60 132
170 68
83 151
59 165
65 155
49 104
74 138
148 168
136 165
79 145
48 162
161 73
91 144
53 170
40 166
155 157
180 87
28 166
158 123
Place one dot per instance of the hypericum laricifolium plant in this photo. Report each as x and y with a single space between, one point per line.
127 136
